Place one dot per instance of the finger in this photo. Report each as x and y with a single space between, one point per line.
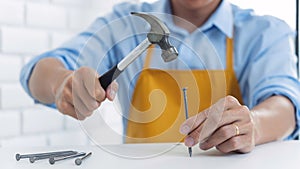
95 90
112 90
90 104
215 113
88 78
193 137
233 144
82 95
192 123
67 95
71 111
99 93
238 114
90 81
80 106
246 149
79 115
67 109
222 134
228 102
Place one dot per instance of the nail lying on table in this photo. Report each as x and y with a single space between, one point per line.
52 160
78 161
21 156
36 158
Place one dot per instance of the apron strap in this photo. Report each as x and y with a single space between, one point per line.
229 54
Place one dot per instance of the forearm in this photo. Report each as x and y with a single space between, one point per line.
274 119
46 75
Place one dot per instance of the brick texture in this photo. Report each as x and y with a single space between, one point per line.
11 64
23 40
45 15
10 123
28 28
41 119
11 12
12 96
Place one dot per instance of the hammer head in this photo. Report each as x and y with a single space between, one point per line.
159 34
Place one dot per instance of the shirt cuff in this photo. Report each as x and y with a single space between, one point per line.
291 94
28 68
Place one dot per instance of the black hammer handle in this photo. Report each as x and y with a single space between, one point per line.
114 72
106 79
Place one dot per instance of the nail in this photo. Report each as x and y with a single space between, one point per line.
36 158
20 156
189 141
52 160
184 129
78 161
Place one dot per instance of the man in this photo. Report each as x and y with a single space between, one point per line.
256 66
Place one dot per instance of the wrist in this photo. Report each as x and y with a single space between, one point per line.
256 124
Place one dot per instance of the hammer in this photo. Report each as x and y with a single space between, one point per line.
158 34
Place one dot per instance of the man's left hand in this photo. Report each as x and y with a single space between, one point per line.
226 125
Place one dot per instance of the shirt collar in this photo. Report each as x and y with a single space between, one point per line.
222 18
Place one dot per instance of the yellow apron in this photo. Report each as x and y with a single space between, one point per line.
157 109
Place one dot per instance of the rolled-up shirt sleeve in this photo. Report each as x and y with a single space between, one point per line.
102 45
69 63
273 69
88 48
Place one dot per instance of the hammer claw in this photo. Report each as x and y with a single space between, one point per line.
159 34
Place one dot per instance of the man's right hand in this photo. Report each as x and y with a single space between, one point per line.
79 93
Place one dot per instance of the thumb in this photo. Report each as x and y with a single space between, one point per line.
192 123
112 90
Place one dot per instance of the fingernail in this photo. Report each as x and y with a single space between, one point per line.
112 94
203 144
189 141
206 145
184 129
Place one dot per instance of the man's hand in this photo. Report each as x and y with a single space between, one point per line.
80 93
226 125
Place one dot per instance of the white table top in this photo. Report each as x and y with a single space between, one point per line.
276 155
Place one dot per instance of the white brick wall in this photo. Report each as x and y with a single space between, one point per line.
12 96
11 64
27 28
23 40
10 123
72 2
80 19
11 12
41 119
46 16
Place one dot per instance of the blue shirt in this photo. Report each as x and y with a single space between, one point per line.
264 60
